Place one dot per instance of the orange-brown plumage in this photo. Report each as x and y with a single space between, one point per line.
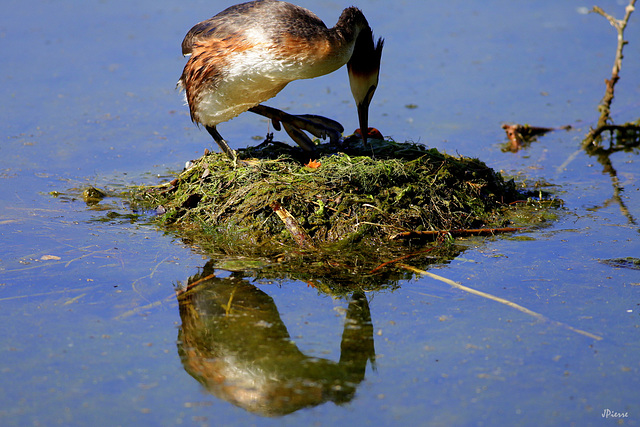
206 66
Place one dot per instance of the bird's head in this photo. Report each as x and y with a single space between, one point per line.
364 68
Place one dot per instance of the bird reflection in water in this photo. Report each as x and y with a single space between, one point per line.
233 341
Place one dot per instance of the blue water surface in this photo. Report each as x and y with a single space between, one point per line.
88 308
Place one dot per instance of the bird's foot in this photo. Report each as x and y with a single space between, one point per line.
319 126
294 125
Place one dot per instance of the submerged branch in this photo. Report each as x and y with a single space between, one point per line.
498 299
632 129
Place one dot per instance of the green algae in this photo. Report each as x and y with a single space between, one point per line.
348 207
348 197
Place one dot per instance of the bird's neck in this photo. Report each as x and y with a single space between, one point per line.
350 24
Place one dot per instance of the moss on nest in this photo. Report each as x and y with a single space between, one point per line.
360 194
347 209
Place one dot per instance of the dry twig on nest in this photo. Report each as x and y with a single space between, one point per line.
454 233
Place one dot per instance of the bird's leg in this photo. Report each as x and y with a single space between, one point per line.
318 126
222 143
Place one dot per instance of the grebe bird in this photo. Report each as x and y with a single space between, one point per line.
249 52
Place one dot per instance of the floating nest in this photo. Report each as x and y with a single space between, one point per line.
364 204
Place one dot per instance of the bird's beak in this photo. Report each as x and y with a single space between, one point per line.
363 86
363 114
364 69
